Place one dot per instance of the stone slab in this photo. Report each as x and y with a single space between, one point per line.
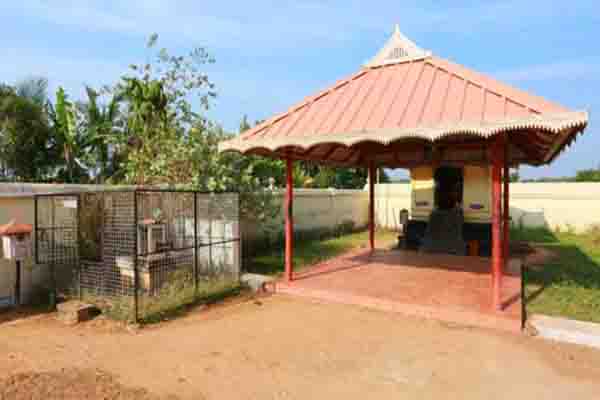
566 330
74 312
256 282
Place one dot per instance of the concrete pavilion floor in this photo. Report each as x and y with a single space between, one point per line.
448 288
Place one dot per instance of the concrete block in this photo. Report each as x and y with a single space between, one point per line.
256 282
74 312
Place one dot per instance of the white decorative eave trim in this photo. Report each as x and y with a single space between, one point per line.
556 124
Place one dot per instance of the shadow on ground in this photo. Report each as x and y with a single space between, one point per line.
11 314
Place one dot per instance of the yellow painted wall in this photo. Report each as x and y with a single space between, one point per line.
476 193
422 193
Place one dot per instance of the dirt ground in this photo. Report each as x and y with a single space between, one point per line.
68 384
286 348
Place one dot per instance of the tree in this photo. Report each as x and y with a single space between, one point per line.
515 176
588 175
34 89
351 178
244 124
27 146
382 176
167 142
158 114
67 135
307 174
325 178
263 168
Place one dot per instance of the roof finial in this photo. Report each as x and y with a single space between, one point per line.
397 49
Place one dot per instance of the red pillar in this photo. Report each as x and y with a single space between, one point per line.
372 178
289 221
506 212
497 158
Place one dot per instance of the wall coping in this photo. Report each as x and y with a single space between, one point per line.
16 190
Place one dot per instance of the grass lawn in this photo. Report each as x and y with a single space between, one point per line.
311 251
568 285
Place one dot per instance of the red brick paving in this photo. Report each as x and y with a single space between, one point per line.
443 287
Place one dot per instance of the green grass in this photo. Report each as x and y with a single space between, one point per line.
314 250
569 285
173 300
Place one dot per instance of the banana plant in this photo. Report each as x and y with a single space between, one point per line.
148 103
102 131
65 126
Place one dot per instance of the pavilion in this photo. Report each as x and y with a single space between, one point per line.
408 107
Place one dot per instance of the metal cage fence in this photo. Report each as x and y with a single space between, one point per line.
138 253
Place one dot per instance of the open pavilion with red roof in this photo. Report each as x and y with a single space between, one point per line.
408 107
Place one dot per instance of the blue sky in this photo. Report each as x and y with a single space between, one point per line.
270 54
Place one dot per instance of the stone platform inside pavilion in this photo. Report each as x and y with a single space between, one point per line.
454 289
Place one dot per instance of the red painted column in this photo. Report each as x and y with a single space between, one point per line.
506 212
289 221
497 159
372 171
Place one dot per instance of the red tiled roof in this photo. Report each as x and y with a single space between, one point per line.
427 98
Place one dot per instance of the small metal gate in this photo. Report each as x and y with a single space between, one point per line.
56 239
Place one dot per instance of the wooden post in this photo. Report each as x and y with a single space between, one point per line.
195 252
289 221
497 158
136 278
506 211
372 171
18 283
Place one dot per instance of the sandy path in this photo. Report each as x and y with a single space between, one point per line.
287 348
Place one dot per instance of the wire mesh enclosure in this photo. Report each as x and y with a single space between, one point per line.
139 253
56 238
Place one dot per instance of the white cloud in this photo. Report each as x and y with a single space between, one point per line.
286 23
73 74
563 70
502 16
188 20
263 26
78 14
